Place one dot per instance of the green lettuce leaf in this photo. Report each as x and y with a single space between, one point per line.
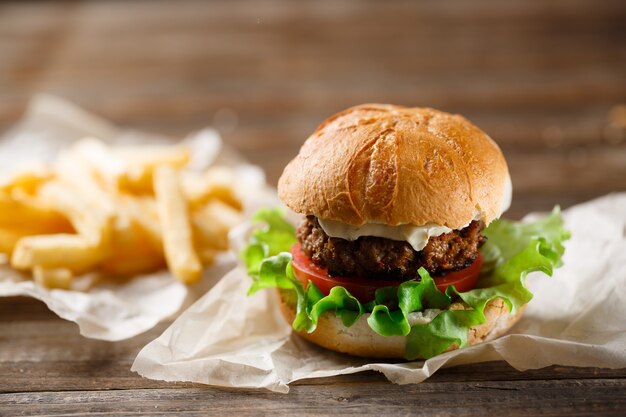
506 239
512 251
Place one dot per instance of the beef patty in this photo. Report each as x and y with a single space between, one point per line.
380 258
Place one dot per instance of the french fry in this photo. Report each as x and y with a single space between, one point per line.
143 161
76 174
28 212
132 253
180 254
129 168
82 180
53 278
207 256
121 211
215 183
27 179
130 264
143 211
212 222
73 252
92 222
222 213
9 238
110 167
152 157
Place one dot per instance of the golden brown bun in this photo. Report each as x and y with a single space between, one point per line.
361 340
388 164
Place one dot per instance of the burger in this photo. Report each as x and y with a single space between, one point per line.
399 252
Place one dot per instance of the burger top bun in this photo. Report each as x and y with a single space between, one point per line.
360 339
378 163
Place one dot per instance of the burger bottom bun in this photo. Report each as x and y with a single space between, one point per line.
361 340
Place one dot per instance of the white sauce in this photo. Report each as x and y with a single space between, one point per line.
416 236
507 196
423 317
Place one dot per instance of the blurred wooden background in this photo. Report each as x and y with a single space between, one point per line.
546 79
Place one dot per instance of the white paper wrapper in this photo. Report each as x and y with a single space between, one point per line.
116 312
576 318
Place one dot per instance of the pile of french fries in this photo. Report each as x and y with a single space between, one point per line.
119 211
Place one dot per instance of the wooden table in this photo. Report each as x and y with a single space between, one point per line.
545 79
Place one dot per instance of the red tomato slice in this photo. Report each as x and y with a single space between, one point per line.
364 289
463 279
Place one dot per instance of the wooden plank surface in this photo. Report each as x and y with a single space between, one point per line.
547 80
47 368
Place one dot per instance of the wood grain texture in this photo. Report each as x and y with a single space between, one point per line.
544 79
584 397
541 79
47 368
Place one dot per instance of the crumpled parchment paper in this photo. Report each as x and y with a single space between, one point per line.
116 311
575 319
